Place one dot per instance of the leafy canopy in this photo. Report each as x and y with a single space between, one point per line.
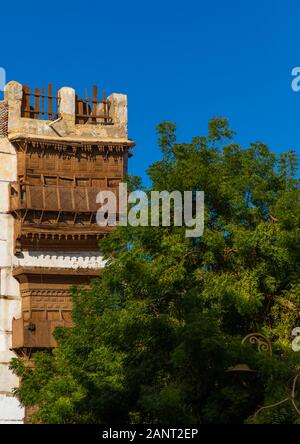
154 337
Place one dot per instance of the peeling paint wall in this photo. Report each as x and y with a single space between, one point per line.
60 259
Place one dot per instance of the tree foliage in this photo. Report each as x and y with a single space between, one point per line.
157 337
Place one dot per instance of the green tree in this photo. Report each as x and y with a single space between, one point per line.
157 338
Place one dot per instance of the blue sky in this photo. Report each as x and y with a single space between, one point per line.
182 61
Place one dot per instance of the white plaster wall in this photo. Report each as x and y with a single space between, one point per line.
4 193
5 344
10 410
60 259
9 307
8 158
7 379
10 304
8 172
8 284
6 237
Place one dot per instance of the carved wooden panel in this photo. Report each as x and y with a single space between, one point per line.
46 303
73 163
34 335
54 205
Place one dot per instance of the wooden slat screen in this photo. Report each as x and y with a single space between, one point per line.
92 110
39 104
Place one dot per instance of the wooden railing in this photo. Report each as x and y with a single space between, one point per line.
92 110
40 104
44 104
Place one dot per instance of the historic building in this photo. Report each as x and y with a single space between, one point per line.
57 151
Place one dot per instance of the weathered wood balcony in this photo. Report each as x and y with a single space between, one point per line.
35 334
55 198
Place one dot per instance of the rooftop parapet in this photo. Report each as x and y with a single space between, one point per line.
40 114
